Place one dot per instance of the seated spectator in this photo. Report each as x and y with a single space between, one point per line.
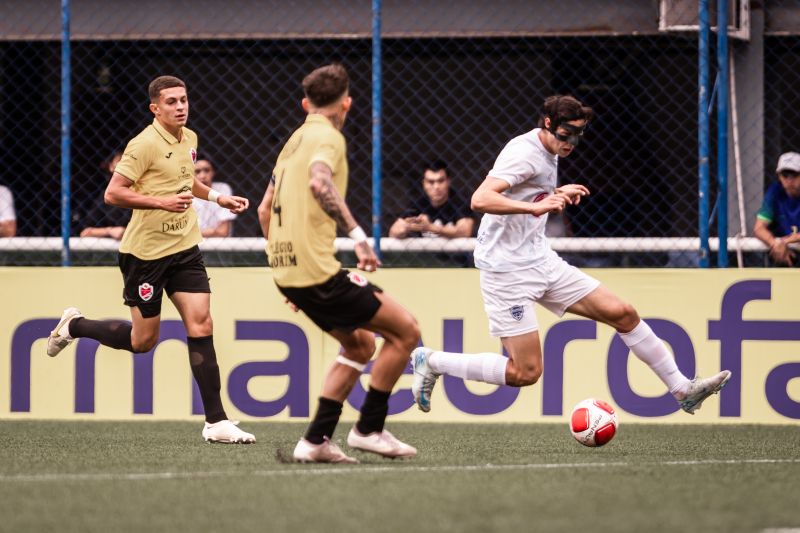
437 211
778 220
103 220
8 217
214 221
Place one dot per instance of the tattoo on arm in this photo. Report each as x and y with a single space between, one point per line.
328 197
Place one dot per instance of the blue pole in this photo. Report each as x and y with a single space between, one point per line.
723 95
376 125
703 135
65 135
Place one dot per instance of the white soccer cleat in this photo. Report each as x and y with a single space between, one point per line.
700 389
327 452
226 432
424 378
381 442
60 338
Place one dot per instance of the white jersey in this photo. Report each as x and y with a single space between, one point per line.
507 243
7 212
209 214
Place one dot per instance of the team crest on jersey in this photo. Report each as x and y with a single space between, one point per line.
145 291
357 279
193 153
516 312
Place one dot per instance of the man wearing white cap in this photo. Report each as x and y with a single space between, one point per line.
778 220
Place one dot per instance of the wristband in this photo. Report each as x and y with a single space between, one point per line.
357 234
213 196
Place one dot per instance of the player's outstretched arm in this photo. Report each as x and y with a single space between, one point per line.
489 198
573 191
329 199
236 204
120 194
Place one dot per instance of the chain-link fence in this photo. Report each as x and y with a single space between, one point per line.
459 80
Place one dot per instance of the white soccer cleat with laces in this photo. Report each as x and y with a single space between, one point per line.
381 442
226 432
327 452
424 378
700 389
60 338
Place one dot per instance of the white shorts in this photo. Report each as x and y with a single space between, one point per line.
508 297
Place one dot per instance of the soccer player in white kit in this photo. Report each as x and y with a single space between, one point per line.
518 268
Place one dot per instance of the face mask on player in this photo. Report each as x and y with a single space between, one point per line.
573 135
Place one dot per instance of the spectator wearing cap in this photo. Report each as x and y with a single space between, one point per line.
778 220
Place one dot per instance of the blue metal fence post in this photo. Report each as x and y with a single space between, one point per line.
723 95
703 134
65 132
376 125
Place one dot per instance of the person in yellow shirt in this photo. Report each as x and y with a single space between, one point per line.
158 252
299 214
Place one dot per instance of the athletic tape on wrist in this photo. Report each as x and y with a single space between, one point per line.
342 360
357 234
213 196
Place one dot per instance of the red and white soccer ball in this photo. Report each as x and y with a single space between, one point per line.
593 422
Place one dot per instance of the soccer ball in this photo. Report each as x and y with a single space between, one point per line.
593 422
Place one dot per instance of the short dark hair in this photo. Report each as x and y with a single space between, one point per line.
561 108
326 85
204 157
161 83
436 165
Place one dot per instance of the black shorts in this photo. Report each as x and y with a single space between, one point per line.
346 301
145 281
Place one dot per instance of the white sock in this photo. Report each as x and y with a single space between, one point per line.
650 349
486 367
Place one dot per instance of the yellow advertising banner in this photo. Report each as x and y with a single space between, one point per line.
273 360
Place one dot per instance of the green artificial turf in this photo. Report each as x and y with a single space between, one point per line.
159 476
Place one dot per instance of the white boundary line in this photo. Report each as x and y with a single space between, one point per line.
329 470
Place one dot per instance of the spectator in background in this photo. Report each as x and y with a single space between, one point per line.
778 220
105 220
439 212
215 221
8 217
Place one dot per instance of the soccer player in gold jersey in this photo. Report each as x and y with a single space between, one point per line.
301 210
155 178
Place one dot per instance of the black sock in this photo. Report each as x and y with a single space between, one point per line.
205 369
113 333
324 423
373 412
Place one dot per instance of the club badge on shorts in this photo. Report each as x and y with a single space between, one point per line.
357 279
193 153
145 291
516 312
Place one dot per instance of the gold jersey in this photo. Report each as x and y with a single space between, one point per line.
160 165
301 247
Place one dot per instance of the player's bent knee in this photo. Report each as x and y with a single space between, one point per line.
411 334
362 353
143 345
524 377
623 317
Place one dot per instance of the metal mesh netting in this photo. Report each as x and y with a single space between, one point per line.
458 80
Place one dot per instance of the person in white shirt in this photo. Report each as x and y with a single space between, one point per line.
215 221
8 217
518 268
